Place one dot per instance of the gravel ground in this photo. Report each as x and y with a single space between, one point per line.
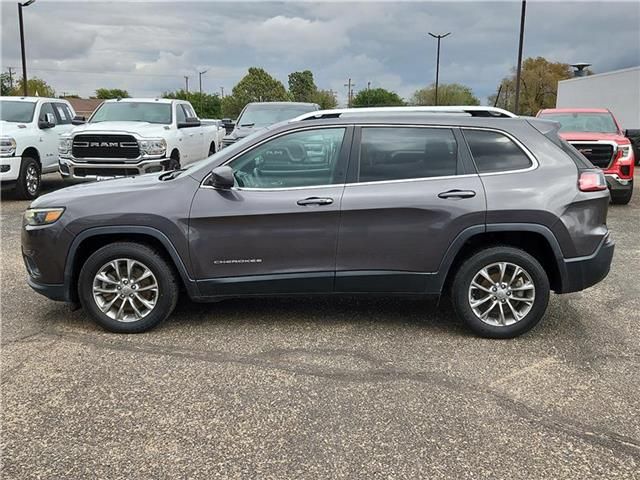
322 388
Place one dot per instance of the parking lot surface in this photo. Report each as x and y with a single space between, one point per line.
323 387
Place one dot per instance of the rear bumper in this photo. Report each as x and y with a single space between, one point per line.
71 169
583 272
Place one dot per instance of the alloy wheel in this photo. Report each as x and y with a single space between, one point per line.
32 179
125 290
501 294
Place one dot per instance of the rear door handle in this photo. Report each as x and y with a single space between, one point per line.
315 201
457 194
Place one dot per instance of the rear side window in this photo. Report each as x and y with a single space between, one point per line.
495 152
398 153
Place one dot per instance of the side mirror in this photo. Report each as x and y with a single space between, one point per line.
632 133
189 122
78 120
48 122
222 178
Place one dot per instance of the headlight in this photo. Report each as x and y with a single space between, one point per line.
64 147
624 151
155 146
42 216
7 146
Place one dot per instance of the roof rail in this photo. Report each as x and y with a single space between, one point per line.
474 111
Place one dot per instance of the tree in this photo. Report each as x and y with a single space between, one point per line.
35 87
448 94
5 85
256 86
302 88
376 97
106 93
205 105
326 99
538 86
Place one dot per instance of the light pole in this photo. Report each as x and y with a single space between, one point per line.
438 37
200 81
24 61
519 67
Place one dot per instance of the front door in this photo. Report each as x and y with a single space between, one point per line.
411 191
276 230
49 138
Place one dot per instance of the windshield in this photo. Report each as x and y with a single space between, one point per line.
265 115
583 122
12 111
133 112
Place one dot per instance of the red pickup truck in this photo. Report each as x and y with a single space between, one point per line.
597 135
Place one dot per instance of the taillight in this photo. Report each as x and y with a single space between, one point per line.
592 181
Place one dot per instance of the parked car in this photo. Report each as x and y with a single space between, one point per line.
496 211
220 132
259 115
596 134
130 136
31 129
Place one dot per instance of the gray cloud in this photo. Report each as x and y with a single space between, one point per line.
147 48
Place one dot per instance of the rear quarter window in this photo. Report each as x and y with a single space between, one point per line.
495 152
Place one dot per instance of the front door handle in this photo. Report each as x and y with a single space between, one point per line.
457 194
315 201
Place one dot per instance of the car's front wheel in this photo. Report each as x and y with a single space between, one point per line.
28 184
127 287
500 292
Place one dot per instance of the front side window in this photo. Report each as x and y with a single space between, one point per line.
398 153
181 116
495 152
64 115
133 112
46 108
19 112
298 159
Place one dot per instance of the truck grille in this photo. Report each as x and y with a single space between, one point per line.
600 154
105 146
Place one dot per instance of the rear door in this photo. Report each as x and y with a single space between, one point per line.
276 231
411 191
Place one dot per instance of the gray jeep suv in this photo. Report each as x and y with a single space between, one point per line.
497 211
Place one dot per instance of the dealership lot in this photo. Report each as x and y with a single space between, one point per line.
323 388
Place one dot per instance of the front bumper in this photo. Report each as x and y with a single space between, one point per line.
70 168
615 183
583 272
10 168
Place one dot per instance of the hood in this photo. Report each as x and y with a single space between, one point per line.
241 132
144 129
116 186
13 129
591 136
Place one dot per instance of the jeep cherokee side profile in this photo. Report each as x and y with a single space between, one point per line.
496 211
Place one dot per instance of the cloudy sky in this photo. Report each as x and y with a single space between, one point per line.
147 48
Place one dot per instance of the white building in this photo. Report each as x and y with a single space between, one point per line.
619 91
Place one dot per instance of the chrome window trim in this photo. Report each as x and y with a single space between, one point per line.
534 161
527 152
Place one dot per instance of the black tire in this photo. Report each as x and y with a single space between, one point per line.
212 148
468 270
622 197
173 163
25 187
167 296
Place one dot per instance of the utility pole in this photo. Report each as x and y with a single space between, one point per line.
349 86
200 78
520 45
438 37
24 61
186 83
222 92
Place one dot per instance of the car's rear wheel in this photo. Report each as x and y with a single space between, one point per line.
500 292
127 287
28 184
622 197
212 148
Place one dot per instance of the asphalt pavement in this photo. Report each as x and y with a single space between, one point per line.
315 388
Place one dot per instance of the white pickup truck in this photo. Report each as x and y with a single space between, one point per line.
131 136
30 131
